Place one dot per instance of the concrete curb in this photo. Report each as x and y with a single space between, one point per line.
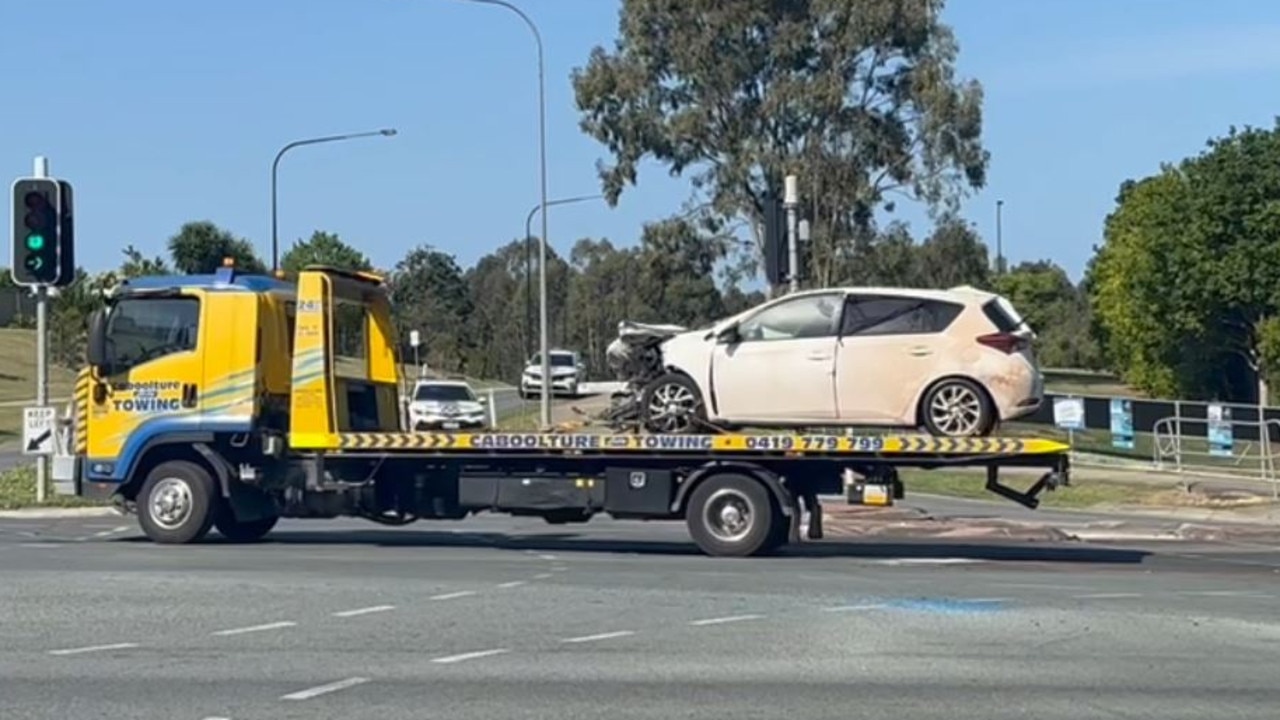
57 513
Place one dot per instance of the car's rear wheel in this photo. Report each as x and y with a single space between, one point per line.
672 404
958 407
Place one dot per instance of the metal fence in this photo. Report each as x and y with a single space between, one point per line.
1228 440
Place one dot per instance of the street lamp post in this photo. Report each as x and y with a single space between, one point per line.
528 259
542 243
275 166
999 238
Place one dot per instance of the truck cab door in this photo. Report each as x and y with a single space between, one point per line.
152 376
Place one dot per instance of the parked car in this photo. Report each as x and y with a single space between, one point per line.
956 362
567 372
446 405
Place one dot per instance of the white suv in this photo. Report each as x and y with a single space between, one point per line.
567 372
446 405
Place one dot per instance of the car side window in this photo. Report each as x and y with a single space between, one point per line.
875 315
810 316
143 329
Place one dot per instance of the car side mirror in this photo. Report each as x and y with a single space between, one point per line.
96 345
728 336
483 399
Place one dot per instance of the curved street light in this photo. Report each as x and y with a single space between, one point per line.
275 166
545 409
528 258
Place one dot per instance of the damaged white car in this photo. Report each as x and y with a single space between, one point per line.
954 362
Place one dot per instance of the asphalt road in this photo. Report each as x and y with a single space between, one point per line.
499 618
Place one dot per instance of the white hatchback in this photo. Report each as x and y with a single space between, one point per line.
956 362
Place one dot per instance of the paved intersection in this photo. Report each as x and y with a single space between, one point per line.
500 617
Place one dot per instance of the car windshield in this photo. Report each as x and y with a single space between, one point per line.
445 393
557 360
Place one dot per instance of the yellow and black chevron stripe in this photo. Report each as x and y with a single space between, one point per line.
870 445
80 412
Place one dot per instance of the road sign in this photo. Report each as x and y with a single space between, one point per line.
38 425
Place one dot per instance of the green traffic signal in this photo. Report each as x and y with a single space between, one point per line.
35 242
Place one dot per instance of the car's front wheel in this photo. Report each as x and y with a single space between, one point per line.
672 404
957 407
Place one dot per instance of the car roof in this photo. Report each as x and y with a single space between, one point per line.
959 293
433 381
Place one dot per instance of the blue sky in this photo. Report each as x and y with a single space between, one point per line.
171 111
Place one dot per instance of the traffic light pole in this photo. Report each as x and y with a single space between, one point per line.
40 169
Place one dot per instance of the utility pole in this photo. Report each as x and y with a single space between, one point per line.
791 201
40 169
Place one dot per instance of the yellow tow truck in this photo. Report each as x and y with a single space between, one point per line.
232 400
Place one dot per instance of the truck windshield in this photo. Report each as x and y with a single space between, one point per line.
443 393
142 329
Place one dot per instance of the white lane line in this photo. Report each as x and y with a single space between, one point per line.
545 556
217 717
39 545
723 620
1106 596
513 583
986 600
364 611
325 689
852 608
542 576
448 659
256 628
559 568
1225 593
599 636
93 648
452 595
112 531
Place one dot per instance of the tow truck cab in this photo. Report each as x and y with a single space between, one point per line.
204 369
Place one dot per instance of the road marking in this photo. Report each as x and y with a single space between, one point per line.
447 659
364 611
599 636
723 620
93 648
256 628
325 689
928 561
559 568
1106 596
452 595
513 583
1225 593
987 600
112 531
542 576
39 545
545 556
851 608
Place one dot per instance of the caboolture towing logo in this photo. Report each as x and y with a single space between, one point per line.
147 397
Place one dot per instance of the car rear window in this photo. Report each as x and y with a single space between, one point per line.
1002 315
898 316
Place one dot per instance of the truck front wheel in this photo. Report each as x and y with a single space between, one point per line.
176 504
244 531
731 515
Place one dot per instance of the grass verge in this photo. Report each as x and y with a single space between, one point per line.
18 490
1080 495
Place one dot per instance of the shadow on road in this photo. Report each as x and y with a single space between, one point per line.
575 543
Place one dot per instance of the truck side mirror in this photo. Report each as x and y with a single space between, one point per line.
96 347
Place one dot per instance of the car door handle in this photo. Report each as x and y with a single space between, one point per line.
920 352
819 356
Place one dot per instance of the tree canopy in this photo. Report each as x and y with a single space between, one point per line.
1186 285
859 98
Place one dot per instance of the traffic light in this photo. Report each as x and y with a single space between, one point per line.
776 260
42 239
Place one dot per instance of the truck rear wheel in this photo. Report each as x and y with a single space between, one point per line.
731 515
176 504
